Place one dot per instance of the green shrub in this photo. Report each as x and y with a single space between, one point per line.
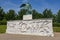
56 24
3 22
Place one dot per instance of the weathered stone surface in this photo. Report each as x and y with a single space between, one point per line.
27 17
42 27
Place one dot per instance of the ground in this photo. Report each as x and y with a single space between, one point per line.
4 36
28 37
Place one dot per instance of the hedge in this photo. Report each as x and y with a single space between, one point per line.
56 24
3 22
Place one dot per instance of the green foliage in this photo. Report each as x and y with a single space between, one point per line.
21 13
3 22
36 15
47 14
56 24
1 13
54 18
11 15
16 17
58 16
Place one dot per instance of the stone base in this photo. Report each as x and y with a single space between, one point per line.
27 17
42 27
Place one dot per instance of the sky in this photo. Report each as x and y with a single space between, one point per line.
38 5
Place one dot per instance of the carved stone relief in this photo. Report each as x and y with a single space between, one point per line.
38 27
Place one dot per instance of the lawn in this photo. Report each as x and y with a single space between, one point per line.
3 29
56 29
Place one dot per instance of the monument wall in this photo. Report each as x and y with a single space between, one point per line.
42 27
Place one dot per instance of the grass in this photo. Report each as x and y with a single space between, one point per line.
3 29
56 29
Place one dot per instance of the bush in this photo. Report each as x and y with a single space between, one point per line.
56 24
3 22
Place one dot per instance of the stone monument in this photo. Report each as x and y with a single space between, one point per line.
28 26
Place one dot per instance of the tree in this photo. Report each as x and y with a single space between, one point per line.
21 13
36 15
47 13
58 16
54 18
11 15
1 13
16 17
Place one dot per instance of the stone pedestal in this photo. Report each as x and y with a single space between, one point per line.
27 17
42 27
